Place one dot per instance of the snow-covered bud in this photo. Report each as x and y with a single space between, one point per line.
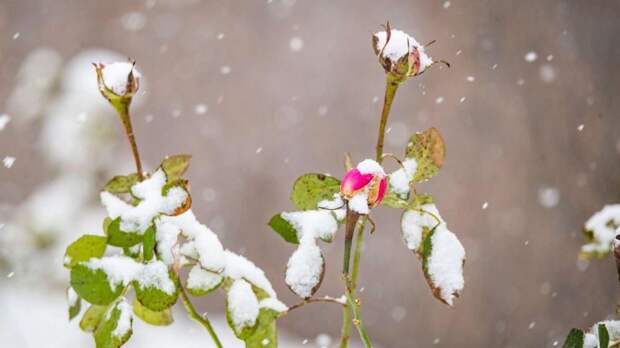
364 186
118 82
400 54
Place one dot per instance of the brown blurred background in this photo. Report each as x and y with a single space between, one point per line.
291 86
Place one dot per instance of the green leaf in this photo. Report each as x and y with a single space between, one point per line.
429 150
106 334
310 189
92 317
284 229
161 318
93 285
106 223
85 248
603 336
119 238
149 243
121 183
153 298
393 200
74 309
175 166
574 339
265 335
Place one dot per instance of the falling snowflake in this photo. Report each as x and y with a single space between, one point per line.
8 161
531 56
296 44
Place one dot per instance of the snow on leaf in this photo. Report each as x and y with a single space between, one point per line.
600 231
242 308
201 282
305 268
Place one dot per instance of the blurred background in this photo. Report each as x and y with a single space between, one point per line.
260 92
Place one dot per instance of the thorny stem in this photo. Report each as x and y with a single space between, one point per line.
351 283
355 305
123 112
202 320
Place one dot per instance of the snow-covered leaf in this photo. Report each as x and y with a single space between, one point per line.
265 335
177 184
92 317
175 166
440 251
429 151
393 200
149 243
121 183
93 285
120 238
115 329
600 231
284 228
242 308
158 318
305 269
201 282
310 189
75 303
84 248
574 339
154 287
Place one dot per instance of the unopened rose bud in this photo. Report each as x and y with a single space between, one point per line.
400 54
118 82
367 181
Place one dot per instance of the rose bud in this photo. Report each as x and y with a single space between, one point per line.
364 186
118 81
400 54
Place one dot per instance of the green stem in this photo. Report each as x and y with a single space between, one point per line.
390 91
123 112
351 284
202 320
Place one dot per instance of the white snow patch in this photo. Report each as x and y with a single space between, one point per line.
359 203
314 223
445 263
242 304
401 44
603 226
274 304
123 325
119 269
72 297
305 267
400 179
115 76
138 218
413 222
155 275
203 243
336 206
200 279
369 166
238 267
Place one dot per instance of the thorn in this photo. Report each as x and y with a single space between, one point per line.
430 43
